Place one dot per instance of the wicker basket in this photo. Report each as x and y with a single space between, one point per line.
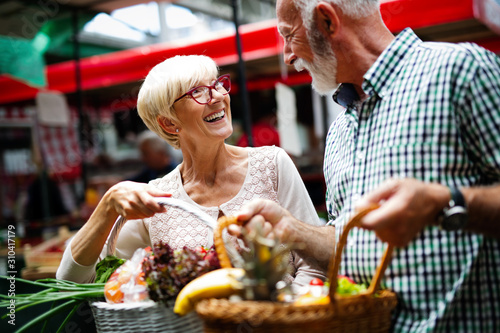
142 317
366 312
147 316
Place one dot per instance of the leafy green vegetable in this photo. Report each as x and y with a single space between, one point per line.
167 270
106 267
347 287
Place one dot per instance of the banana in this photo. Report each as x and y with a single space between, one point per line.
217 284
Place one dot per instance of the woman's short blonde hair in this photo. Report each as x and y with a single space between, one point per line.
167 81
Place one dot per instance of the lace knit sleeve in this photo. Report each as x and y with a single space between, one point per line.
292 193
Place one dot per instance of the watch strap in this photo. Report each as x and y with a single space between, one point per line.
457 198
454 216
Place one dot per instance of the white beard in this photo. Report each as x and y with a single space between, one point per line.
323 71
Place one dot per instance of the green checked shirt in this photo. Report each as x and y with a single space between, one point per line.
433 113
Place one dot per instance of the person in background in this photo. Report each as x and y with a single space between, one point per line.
187 103
155 154
420 137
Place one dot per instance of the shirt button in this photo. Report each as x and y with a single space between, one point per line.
356 197
360 156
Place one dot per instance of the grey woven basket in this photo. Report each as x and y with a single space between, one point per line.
147 316
143 317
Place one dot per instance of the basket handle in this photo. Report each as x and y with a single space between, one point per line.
222 223
336 259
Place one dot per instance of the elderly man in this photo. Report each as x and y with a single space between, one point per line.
156 155
420 136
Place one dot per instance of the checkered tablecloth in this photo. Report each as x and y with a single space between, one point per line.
61 150
59 145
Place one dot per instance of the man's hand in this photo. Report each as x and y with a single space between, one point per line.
406 207
264 214
318 242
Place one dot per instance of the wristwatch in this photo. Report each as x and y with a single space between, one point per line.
454 217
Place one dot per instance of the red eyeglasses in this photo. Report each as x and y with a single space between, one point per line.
203 94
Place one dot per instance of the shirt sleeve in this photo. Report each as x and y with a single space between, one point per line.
133 235
70 270
479 110
292 193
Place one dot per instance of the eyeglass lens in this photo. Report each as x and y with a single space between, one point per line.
204 94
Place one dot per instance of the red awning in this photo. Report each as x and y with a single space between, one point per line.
259 40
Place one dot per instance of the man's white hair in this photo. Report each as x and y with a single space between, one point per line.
355 9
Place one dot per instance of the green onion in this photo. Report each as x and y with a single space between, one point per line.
68 317
72 293
47 315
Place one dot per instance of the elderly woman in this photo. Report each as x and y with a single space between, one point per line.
185 102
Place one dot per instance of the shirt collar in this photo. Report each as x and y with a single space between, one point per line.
345 95
382 74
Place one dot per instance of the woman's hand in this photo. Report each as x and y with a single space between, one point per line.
128 199
134 200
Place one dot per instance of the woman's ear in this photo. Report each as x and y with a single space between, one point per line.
167 125
327 19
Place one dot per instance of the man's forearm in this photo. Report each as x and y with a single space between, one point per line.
484 210
318 243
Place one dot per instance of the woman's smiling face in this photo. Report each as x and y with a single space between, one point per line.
199 122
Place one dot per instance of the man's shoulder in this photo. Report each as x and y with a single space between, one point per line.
459 51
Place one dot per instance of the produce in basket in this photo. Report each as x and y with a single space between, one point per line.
158 274
106 267
315 293
318 292
266 262
346 286
127 283
222 282
167 270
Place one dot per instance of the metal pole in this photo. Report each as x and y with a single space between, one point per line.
79 106
247 119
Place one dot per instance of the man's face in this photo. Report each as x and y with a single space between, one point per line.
290 27
323 70
307 48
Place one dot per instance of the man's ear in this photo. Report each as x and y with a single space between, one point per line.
167 125
327 18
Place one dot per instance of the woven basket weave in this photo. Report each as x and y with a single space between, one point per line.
143 317
366 312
